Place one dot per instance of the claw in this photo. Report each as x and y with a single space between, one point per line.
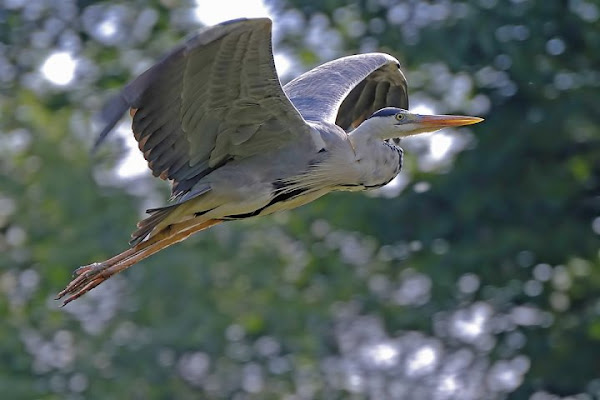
85 279
89 286
89 276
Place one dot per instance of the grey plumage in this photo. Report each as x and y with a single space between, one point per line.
217 98
212 118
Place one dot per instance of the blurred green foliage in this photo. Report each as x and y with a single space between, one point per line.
479 280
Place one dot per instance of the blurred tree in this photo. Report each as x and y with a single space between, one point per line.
525 197
479 281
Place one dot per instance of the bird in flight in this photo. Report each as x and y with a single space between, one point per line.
213 119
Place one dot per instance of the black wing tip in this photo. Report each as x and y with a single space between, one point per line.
110 116
101 138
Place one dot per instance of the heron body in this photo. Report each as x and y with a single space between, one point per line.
272 182
212 118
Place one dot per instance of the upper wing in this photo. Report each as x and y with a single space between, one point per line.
214 98
348 90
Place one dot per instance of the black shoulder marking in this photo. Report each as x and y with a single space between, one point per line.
200 213
279 196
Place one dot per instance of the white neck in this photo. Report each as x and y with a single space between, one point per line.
373 128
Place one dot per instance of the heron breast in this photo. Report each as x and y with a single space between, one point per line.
382 167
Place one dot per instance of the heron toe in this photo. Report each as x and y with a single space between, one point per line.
86 268
85 278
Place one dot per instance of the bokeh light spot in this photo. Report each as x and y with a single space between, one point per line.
59 68
422 361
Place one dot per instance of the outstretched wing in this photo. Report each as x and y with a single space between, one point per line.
214 98
348 90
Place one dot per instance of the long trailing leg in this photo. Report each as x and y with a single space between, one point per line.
90 276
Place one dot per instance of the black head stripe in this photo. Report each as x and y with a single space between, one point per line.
386 112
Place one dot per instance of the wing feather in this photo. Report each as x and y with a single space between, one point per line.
217 97
210 100
348 90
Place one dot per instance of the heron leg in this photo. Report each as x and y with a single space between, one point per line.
90 276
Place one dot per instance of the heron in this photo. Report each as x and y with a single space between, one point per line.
212 118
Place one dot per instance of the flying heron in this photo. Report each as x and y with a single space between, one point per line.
212 118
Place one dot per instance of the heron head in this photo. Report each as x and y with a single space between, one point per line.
395 123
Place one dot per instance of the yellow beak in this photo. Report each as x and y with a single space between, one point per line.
442 121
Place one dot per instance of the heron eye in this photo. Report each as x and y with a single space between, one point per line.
399 117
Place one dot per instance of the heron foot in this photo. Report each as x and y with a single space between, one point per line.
89 276
85 279
85 268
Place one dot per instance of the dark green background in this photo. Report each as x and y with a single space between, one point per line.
480 280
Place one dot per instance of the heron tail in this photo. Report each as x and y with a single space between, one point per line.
147 225
185 208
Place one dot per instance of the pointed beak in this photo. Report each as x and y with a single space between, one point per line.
432 122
